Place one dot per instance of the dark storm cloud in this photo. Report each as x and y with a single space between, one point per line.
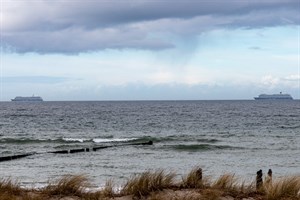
82 26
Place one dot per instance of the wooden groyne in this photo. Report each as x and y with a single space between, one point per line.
71 151
8 158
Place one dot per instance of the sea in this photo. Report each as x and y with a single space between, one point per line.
236 137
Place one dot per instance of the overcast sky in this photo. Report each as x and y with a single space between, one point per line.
149 49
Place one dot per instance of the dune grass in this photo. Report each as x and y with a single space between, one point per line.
11 190
156 185
67 186
108 190
8 186
147 182
285 188
229 185
226 181
193 179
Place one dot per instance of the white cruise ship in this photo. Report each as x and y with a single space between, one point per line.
32 98
279 96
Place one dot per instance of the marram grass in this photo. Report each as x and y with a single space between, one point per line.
7 186
156 185
285 188
67 186
193 179
147 182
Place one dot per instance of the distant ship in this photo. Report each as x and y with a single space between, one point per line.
32 98
279 96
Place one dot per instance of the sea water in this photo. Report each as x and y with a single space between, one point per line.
238 137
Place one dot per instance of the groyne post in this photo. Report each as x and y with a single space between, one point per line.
268 179
259 180
199 174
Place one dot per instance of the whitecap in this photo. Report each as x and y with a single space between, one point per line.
105 140
74 139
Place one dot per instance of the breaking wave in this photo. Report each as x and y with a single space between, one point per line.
23 140
81 140
106 140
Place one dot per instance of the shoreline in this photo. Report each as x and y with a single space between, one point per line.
160 184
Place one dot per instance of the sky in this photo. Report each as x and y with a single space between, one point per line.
149 49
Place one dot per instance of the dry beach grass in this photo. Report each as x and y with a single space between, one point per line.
157 185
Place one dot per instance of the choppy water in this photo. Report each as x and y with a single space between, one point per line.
221 136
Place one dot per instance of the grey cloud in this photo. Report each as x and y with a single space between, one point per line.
80 26
95 14
78 40
55 15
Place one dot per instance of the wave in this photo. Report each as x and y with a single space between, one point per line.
24 140
32 140
155 139
176 138
200 147
208 140
100 140
81 140
21 115
106 140
289 127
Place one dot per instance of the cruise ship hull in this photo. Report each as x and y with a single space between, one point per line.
274 97
27 99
